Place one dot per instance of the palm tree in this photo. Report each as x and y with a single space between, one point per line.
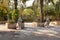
15 4
22 6
41 11
41 7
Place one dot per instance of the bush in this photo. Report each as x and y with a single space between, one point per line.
10 21
15 15
28 15
3 14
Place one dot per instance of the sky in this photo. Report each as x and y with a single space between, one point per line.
29 3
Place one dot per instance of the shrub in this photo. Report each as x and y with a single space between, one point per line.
3 14
15 15
10 21
28 15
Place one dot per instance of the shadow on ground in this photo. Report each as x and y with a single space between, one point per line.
37 33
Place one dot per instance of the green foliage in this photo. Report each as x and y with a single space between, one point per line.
27 11
57 6
15 15
11 21
52 10
28 15
49 10
57 9
3 14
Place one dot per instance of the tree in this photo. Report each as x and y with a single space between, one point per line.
50 1
15 4
36 8
28 15
41 7
57 9
41 10
22 6
4 9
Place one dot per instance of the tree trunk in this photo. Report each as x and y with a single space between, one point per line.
15 4
41 11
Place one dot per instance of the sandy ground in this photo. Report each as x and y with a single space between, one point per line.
30 33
